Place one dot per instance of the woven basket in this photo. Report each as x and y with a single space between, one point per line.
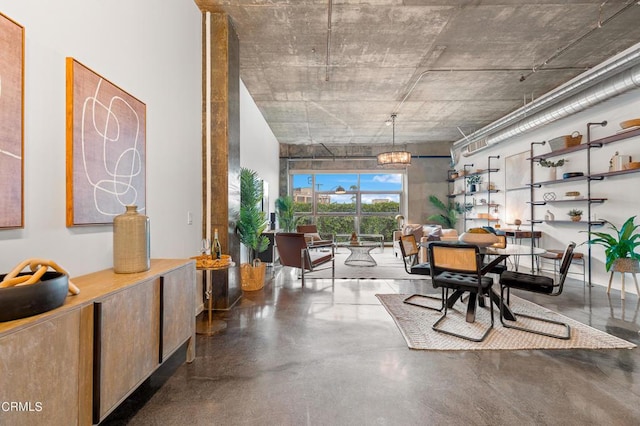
252 276
565 141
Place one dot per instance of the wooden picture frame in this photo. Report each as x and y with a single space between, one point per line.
106 148
11 123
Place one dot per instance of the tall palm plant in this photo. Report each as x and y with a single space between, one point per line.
284 209
449 212
253 221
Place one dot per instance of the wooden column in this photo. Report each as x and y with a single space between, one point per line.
221 130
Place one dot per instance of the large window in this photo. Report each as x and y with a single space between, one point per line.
368 206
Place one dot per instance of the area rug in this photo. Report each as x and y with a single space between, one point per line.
388 267
415 325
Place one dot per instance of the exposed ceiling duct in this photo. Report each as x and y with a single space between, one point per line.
593 87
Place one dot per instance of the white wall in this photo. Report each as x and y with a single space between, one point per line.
621 191
153 52
259 148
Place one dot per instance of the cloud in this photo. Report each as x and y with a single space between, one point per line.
395 178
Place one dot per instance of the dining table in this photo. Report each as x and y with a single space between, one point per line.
497 256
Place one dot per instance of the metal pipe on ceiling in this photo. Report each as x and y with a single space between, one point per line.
593 87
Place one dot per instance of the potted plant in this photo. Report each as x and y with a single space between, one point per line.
620 248
251 225
472 181
284 210
551 167
449 216
575 215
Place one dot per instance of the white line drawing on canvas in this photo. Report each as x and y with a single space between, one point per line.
104 124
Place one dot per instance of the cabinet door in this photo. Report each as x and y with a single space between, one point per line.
126 343
39 374
178 308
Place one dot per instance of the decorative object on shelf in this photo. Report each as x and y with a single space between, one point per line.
394 157
573 195
550 167
491 186
628 124
549 216
473 181
575 215
570 175
549 196
454 175
24 294
618 162
565 141
632 165
621 245
131 244
517 223
251 226
449 212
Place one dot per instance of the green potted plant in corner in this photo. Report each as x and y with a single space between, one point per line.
251 225
473 181
575 215
285 212
449 212
620 248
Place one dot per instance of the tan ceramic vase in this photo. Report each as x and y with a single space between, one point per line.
131 245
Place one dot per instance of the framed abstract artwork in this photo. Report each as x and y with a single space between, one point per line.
106 148
11 123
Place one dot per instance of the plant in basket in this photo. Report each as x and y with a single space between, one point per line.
620 247
252 223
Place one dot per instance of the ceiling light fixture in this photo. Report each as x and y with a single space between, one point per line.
394 157
340 190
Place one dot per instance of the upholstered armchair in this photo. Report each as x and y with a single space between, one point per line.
423 233
294 252
313 237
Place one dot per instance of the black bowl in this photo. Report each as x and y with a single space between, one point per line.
33 299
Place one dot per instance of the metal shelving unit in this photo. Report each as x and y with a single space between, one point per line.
588 177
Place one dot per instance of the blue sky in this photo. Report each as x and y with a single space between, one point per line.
368 182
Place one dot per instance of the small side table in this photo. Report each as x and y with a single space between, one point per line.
205 324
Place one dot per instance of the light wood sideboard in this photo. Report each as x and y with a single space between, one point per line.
77 363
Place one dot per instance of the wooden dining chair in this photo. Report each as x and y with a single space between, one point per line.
537 284
458 267
410 252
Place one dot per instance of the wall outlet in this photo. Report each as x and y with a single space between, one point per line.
189 218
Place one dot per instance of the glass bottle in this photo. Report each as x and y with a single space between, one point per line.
216 245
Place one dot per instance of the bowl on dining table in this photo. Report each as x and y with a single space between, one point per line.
478 239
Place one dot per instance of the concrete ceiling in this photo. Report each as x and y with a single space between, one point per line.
444 67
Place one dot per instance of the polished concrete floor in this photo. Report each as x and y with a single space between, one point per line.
329 354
